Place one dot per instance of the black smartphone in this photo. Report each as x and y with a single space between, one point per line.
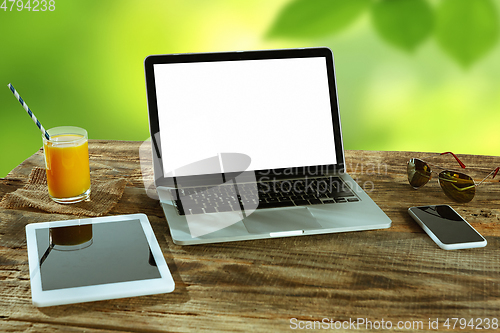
446 227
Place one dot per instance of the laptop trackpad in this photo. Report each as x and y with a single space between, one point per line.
280 220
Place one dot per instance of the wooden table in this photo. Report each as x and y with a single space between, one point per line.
386 277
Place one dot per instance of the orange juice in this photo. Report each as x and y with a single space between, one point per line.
67 166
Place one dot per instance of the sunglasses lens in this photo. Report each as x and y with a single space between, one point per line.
419 172
457 186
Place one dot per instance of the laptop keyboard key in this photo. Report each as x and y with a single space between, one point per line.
301 202
196 210
327 201
275 204
224 208
315 201
210 210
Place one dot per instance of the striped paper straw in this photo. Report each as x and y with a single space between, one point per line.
30 113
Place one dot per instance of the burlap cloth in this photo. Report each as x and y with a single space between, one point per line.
103 196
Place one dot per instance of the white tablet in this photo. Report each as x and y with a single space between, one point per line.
95 259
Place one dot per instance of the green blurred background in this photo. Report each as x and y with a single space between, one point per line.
420 75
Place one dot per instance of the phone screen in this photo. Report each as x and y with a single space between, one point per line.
446 224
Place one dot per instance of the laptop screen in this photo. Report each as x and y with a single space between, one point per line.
278 112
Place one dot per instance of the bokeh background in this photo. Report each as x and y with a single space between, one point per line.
421 75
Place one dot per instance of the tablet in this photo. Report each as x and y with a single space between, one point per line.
95 259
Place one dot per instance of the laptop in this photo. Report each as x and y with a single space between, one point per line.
248 145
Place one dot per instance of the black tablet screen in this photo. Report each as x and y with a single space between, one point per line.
94 254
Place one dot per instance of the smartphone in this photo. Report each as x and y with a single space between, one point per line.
446 228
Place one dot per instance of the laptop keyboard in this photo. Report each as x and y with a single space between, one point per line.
269 194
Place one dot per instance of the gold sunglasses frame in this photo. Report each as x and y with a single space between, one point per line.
453 177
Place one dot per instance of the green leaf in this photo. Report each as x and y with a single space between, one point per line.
466 29
316 18
403 23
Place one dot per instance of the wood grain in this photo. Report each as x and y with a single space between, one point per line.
397 274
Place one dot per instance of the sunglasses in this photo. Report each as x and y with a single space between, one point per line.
456 185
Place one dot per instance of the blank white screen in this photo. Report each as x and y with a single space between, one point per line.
277 111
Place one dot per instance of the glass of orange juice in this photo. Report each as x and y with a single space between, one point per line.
67 164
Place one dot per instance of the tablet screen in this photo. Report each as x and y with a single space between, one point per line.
119 252
93 259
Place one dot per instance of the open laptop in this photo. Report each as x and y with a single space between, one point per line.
248 145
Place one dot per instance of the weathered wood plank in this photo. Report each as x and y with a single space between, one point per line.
367 274
383 176
394 274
